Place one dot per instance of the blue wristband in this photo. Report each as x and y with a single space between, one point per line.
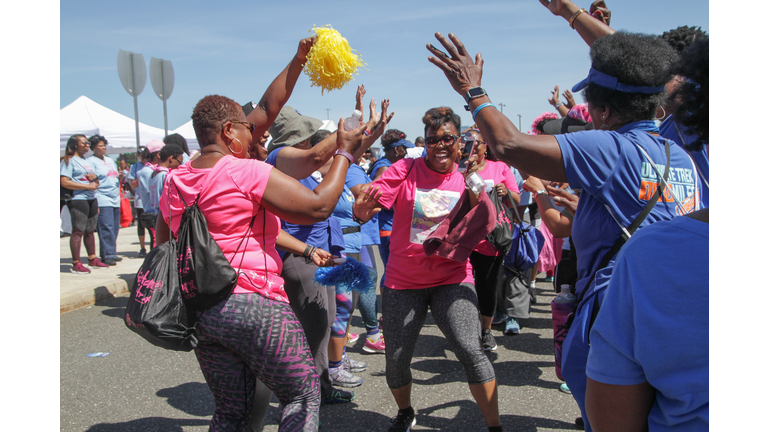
477 110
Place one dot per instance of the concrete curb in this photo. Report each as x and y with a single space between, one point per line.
85 297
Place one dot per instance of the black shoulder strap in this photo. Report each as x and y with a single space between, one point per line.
633 227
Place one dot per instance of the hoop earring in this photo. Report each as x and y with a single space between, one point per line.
664 113
235 152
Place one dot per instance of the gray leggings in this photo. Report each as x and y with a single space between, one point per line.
454 309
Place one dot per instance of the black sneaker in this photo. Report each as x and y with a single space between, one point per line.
110 262
338 396
404 421
118 259
142 253
489 342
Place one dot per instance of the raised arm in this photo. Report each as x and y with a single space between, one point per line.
290 201
556 222
555 101
277 94
538 155
590 29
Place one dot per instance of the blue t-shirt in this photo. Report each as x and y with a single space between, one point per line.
76 170
653 324
316 234
683 137
156 184
144 176
526 198
108 193
611 171
370 230
385 215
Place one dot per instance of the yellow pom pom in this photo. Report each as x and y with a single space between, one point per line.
331 62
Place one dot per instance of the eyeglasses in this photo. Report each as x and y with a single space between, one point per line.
249 125
447 140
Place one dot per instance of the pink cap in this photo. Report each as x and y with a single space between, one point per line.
155 146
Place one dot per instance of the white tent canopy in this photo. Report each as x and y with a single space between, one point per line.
84 116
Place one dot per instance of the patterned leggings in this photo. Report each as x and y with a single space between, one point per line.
249 336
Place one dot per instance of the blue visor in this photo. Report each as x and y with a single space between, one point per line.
403 142
612 83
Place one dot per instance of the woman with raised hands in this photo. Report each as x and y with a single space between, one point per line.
253 333
614 166
422 192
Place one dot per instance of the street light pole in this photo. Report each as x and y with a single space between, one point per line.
520 122
327 113
501 107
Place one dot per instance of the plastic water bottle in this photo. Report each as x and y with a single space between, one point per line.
565 295
475 183
352 123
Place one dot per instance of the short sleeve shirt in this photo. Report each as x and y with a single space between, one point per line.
229 199
108 193
421 199
493 174
76 170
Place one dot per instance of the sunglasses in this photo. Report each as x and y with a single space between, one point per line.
447 140
249 125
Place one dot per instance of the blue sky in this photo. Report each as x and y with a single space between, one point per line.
237 48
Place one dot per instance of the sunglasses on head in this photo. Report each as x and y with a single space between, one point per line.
447 140
249 125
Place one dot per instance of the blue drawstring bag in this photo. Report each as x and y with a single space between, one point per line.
350 275
526 246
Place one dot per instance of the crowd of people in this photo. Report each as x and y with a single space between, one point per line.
618 186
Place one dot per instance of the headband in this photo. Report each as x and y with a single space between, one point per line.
612 83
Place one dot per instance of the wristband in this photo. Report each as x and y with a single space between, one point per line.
308 252
346 154
357 219
477 110
576 15
366 133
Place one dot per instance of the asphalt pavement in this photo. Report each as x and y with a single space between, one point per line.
136 386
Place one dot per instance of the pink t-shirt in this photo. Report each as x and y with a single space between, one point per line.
493 174
420 199
230 197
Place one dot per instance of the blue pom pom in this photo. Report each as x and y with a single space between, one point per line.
351 275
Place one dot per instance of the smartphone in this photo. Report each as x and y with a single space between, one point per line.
469 144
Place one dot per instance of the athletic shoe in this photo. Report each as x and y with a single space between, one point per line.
489 342
512 327
342 378
579 423
117 258
338 396
110 262
353 365
352 338
403 422
374 347
564 388
97 264
548 279
499 318
142 253
79 268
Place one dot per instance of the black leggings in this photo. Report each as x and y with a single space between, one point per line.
489 280
85 216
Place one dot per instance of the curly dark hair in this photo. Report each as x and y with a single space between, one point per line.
169 150
95 140
178 140
209 115
439 116
693 111
682 37
390 136
635 59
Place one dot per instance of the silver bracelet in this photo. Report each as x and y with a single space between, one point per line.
557 105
